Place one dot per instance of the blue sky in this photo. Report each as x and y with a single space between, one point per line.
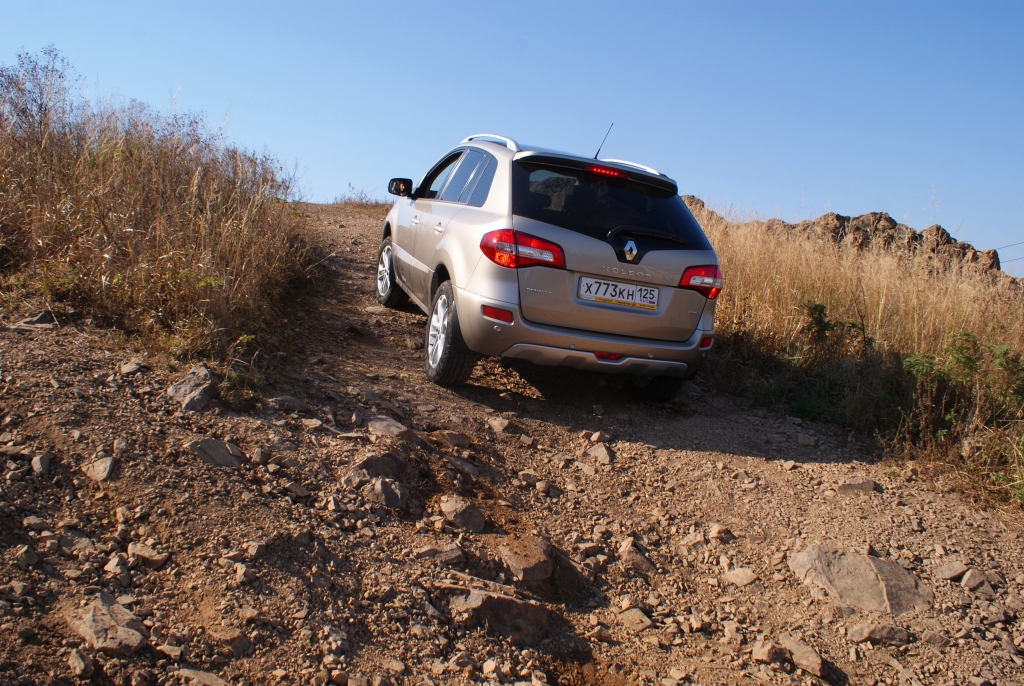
778 109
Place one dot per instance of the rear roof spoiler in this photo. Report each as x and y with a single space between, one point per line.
647 175
644 167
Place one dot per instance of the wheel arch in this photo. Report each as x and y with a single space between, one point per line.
440 275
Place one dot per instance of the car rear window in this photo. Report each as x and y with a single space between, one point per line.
579 200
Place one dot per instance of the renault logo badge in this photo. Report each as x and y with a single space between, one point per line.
630 250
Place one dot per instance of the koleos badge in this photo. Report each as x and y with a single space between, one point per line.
630 250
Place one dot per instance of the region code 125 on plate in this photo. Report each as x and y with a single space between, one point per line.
612 292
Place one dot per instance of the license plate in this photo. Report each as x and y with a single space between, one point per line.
615 293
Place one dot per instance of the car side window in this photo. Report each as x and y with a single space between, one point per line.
457 179
480 185
434 182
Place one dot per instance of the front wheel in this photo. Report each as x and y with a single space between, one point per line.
446 359
389 293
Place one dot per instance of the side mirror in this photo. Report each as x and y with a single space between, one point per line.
400 187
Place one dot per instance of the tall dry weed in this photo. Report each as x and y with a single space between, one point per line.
148 219
925 353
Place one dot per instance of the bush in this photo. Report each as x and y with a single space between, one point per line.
148 219
923 353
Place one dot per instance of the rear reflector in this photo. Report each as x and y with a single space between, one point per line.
705 343
706 280
607 171
495 313
508 248
607 356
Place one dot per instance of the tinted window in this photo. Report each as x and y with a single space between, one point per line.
580 201
478 187
461 175
435 180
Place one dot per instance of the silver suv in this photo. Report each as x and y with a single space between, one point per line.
527 253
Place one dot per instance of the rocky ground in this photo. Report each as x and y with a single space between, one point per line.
536 526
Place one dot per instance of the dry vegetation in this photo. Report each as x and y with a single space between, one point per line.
154 222
150 220
926 353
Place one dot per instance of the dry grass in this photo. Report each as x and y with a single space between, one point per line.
150 220
926 354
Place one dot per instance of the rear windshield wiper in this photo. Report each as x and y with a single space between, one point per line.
649 233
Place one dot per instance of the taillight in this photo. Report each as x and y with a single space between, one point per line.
533 250
495 313
705 343
607 171
607 356
508 248
706 280
500 247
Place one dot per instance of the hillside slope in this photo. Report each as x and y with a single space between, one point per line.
340 538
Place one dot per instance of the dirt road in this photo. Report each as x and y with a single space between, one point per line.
538 526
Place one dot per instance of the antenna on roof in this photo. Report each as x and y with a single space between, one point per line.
603 140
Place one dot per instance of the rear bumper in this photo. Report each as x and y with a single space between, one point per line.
556 346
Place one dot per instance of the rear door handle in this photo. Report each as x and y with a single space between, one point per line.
415 220
439 228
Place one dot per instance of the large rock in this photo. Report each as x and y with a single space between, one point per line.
452 439
80 664
195 390
386 426
109 627
528 559
950 571
497 424
198 678
386 492
34 523
743 576
521 622
285 403
635 620
41 463
463 514
879 634
803 655
233 639
635 560
149 557
99 470
766 651
867 583
860 484
217 453
602 453
386 465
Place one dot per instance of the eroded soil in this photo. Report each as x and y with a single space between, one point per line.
284 572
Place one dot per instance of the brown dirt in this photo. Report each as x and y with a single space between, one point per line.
341 588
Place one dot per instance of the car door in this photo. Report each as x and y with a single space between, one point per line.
412 273
404 239
443 209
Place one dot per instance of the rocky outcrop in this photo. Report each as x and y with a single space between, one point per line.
879 229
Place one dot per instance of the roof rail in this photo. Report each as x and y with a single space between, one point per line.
508 142
649 170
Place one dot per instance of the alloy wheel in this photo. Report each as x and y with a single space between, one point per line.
438 333
384 271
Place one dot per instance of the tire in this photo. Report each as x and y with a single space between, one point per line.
446 359
657 389
389 293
